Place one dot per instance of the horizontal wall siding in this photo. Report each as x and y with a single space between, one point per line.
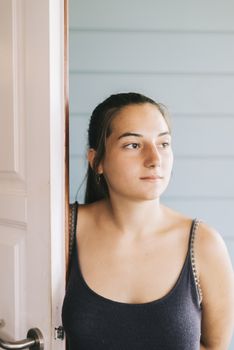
202 178
199 15
182 93
204 135
151 52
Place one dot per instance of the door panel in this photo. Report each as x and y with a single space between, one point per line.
32 266
13 196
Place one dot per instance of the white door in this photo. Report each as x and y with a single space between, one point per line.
32 260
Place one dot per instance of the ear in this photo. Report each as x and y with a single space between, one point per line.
90 156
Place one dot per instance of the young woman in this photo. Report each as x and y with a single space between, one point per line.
143 276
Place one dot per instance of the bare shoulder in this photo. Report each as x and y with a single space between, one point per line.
217 284
212 257
209 236
210 247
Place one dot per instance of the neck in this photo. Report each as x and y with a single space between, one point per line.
134 219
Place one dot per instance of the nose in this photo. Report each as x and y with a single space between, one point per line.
152 157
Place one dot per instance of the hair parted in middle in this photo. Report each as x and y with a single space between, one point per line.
98 132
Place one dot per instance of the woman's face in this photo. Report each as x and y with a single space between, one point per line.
138 160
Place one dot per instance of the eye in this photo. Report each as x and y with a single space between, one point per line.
165 144
133 145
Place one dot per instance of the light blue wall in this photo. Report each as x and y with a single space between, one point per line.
180 53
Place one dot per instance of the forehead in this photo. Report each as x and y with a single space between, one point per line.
139 117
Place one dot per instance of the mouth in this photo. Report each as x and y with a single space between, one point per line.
152 178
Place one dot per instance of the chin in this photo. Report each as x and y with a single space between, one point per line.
148 196
154 193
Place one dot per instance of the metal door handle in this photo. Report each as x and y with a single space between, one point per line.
34 341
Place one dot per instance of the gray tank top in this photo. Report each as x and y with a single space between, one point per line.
173 322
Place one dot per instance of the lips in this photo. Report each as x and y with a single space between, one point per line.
151 177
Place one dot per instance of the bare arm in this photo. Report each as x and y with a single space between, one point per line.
217 284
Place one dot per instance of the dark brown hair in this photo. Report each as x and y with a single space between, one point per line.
99 130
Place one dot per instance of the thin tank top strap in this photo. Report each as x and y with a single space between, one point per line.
73 208
193 231
72 226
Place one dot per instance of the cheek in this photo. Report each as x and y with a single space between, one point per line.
115 160
116 168
168 161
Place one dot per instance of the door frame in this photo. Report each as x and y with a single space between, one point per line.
59 124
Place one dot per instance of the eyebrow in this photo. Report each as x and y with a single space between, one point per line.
126 134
